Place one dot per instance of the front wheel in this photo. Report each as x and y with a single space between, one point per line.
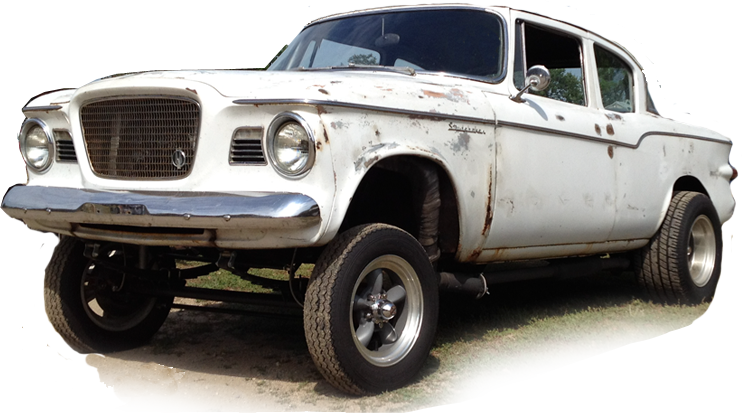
371 309
682 262
91 306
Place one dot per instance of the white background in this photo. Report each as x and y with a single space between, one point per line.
691 57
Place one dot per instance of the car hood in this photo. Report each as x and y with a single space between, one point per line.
428 93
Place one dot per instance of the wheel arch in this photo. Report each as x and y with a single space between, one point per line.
411 192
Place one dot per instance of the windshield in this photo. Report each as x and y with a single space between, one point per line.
463 42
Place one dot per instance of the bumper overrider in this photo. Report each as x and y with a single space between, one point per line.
229 220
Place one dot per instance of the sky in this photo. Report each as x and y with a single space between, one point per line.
685 50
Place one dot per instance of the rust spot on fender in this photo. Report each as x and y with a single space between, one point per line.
474 255
323 91
613 116
192 91
321 110
609 129
431 94
327 138
426 117
560 118
597 130
610 151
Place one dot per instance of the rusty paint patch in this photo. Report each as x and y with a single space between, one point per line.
323 91
474 255
613 116
610 151
321 110
327 138
609 129
319 145
192 91
462 144
488 217
560 118
425 117
597 130
371 161
431 94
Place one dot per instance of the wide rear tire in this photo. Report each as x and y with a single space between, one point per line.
682 262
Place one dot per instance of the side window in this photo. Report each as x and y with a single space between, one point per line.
650 103
560 53
616 81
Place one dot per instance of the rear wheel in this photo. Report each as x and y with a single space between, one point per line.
90 306
682 262
371 309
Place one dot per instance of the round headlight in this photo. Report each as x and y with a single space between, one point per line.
291 145
36 145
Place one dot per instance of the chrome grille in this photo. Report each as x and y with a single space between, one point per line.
141 138
247 147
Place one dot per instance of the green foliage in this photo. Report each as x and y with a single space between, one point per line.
565 86
363 59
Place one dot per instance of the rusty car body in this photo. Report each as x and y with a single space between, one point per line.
401 150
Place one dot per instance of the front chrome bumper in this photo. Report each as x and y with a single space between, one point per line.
164 218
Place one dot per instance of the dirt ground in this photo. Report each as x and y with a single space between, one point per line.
206 361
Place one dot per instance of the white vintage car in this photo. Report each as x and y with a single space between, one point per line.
403 151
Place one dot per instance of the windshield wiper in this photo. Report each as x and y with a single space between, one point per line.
352 66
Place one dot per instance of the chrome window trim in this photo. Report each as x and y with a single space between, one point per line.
503 25
28 124
278 121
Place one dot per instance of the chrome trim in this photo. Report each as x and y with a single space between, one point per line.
144 96
65 148
607 141
278 121
67 206
233 148
28 124
41 108
379 10
313 102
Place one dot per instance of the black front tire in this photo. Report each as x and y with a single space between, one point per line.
371 309
84 306
682 262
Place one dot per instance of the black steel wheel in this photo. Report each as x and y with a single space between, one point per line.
682 262
91 307
371 309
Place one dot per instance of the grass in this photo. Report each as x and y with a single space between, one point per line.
517 327
225 280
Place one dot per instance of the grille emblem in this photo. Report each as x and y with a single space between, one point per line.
179 159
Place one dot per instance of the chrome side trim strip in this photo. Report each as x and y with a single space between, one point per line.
312 102
603 140
41 108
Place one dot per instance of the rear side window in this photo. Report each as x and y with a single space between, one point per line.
616 81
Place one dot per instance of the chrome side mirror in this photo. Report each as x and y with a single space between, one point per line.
537 79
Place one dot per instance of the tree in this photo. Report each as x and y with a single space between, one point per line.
363 59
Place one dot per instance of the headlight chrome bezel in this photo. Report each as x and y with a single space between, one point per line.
275 126
27 126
